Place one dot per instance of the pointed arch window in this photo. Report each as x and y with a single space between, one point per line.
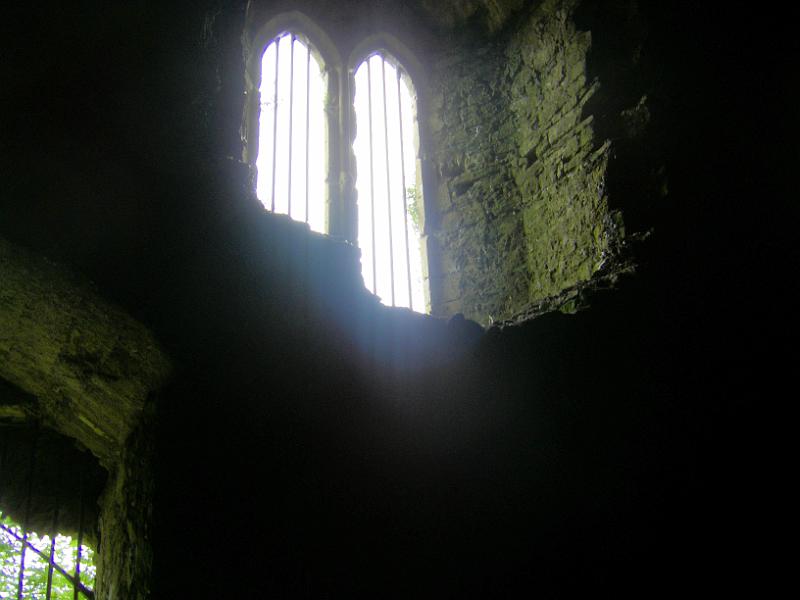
336 144
388 185
290 164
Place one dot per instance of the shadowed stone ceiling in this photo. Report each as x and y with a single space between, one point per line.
455 13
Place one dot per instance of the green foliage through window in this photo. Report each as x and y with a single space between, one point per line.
413 207
36 567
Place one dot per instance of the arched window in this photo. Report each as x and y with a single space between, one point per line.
291 151
388 184
304 109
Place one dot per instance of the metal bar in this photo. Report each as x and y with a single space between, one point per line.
83 589
308 120
3 456
403 175
388 177
50 560
275 121
21 579
291 113
26 518
80 537
371 178
405 202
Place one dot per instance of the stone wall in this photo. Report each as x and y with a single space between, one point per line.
88 362
560 170
521 201
482 271
125 555
84 368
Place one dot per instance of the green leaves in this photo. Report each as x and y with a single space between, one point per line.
413 207
36 567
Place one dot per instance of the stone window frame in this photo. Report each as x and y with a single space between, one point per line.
325 52
341 210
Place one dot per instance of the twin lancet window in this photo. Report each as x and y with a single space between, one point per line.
294 168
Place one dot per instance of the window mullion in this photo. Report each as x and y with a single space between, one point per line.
80 538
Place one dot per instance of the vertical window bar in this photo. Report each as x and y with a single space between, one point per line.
403 188
53 535
291 111
2 472
371 179
308 116
77 583
3 456
275 122
388 177
26 521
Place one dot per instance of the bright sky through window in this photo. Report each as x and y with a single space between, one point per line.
389 200
291 156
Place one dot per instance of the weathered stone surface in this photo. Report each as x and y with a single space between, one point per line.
522 202
493 14
89 364
125 557
562 181
41 471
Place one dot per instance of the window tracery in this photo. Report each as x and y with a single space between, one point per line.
341 151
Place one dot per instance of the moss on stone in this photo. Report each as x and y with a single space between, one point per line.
524 213
88 363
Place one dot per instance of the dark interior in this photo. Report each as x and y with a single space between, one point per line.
310 442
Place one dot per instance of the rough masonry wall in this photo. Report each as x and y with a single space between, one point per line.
560 170
521 199
125 555
88 362
84 368
482 272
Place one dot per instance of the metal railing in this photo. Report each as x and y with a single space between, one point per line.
22 536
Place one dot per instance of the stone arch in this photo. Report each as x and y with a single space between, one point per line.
396 49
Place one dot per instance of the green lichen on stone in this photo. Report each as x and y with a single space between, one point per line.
562 187
523 209
88 363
